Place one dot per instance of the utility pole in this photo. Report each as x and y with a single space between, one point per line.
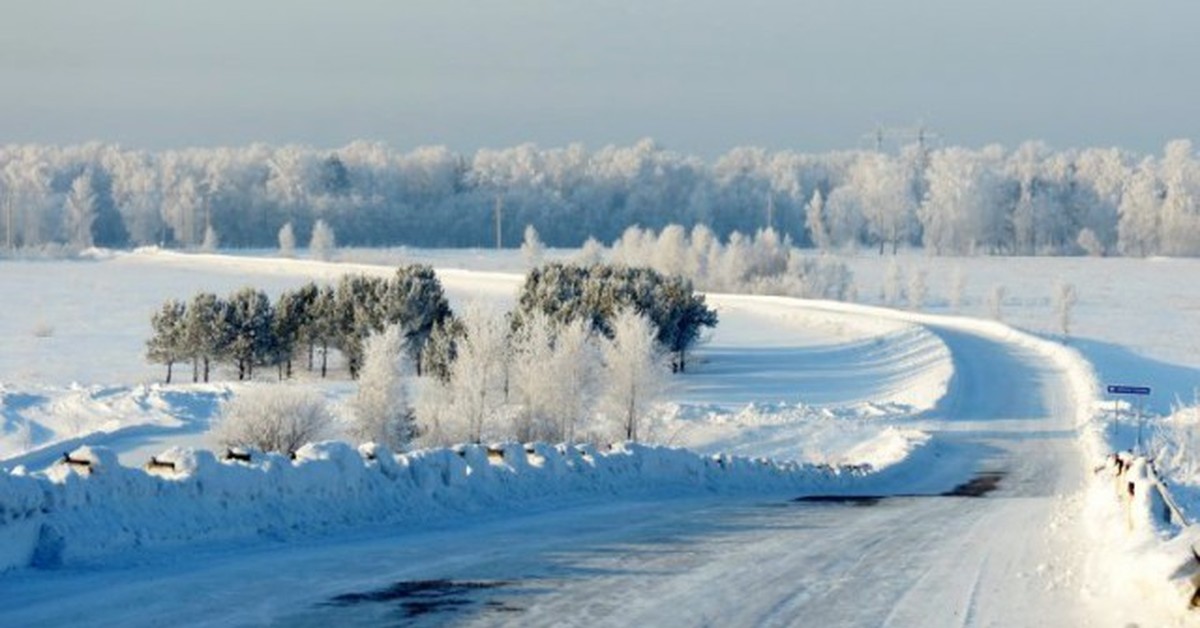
8 224
770 210
499 207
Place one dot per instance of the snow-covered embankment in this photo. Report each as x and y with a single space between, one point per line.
93 507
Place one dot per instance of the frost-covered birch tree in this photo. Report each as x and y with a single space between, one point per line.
81 211
635 374
287 240
1065 297
381 412
473 399
532 249
211 241
323 241
555 367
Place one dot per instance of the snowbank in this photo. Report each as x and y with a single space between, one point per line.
87 506
843 435
1150 541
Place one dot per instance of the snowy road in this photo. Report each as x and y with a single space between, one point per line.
1010 558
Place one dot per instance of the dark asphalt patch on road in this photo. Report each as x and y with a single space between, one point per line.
978 486
418 598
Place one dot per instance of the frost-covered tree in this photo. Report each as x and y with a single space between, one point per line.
533 379
918 290
469 407
532 249
181 206
323 241
359 310
1090 242
287 240
291 322
876 200
635 374
958 288
961 212
816 222
1065 298
250 339
575 361
321 329
1140 213
168 345
996 302
892 291
591 253
670 253
381 413
555 368
414 300
1180 222
211 240
438 354
595 293
80 211
278 418
207 332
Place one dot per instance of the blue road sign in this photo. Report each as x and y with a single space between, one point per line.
1114 389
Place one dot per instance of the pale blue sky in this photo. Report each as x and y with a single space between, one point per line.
700 76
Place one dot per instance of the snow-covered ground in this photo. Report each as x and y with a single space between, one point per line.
933 398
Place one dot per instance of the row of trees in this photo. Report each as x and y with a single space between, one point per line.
594 294
548 381
247 330
764 263
584 356
1031 200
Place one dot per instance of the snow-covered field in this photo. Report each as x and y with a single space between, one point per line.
927 398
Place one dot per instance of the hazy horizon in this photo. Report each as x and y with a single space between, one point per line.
698 77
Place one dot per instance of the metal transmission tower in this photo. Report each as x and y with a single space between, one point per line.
901 136
920 134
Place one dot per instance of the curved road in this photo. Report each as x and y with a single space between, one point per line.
1010 558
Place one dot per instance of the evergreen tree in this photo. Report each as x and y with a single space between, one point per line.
290 323
416 302
594 294
250 339
321 328
358 312
168 345
207 332
439 352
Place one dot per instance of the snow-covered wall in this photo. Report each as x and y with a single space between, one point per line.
94 507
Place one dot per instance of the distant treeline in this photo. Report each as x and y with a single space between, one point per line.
1031 200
